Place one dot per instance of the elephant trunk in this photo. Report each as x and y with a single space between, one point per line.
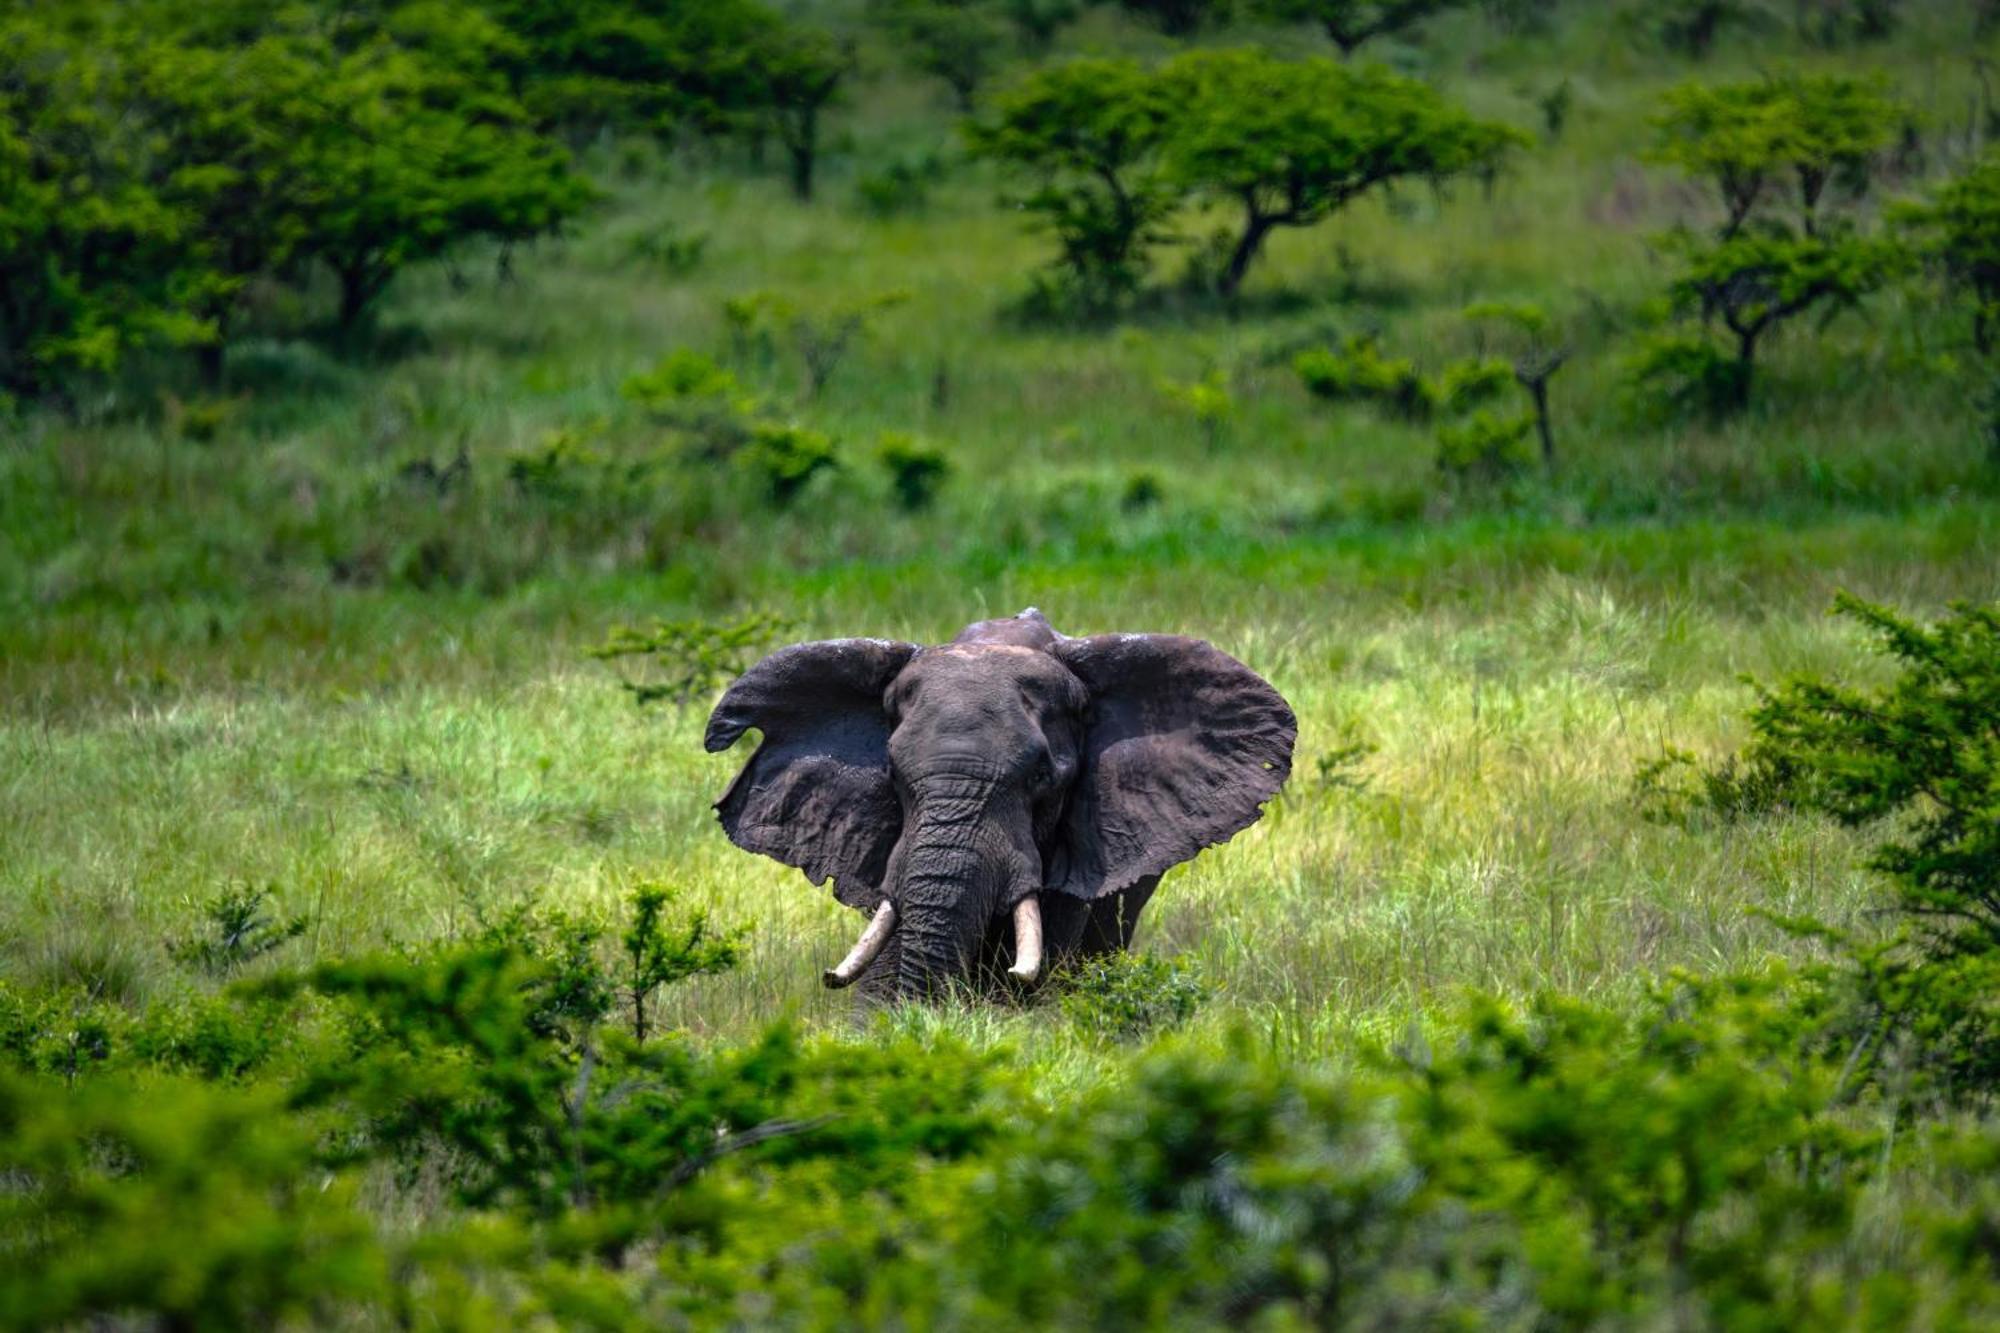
958 866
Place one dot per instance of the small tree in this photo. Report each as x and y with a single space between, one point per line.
1958 228
1293 142
1349 23
798 73
959 41
1526 336
1778 152
1090 133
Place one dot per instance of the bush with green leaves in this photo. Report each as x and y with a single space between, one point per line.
1780 153
91 253
685 660
1129 996
1918 760
1359 371
238 927
915 472
1292 142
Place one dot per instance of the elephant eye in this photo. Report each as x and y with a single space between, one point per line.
1044 775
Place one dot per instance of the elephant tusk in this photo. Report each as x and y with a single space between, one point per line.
864 950
1027 940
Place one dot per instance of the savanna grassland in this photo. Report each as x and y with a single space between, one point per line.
323 627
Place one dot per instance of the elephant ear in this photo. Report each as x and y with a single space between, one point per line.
1182 746
817 794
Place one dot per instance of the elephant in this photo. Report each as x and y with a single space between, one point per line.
1015 776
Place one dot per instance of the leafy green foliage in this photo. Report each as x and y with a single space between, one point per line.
1803 136
1926 746
785 457
237 928
915 473
195 1205
1919 759
1293 142
1090 133
658 954
1958 228
1486 447
1129 996
687 659
961 42
1358 371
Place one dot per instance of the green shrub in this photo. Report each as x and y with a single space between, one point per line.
1128 996
687 660
1359 372
915 473
784 457
1486 448
1918 759
237 927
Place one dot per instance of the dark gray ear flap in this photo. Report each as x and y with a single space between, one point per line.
817 793
1182 747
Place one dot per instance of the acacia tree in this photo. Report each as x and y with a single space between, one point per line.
1293 142
1958 228
1349 23
1090 134
1781 154
412 161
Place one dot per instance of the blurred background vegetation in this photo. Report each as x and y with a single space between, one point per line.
411 413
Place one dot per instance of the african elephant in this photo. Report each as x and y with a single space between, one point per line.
1013 774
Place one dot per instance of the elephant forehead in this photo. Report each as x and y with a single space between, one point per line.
975 673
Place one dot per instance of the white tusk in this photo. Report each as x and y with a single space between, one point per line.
1027 940
864 950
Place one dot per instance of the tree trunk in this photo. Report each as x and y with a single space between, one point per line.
357 291
803 147
208 364
1256 226
1538 389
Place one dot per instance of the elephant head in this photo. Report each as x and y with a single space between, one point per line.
952 791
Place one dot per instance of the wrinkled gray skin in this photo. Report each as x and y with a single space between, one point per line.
1013 761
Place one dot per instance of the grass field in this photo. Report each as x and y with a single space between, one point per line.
286 656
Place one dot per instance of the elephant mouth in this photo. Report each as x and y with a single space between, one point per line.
1027 945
